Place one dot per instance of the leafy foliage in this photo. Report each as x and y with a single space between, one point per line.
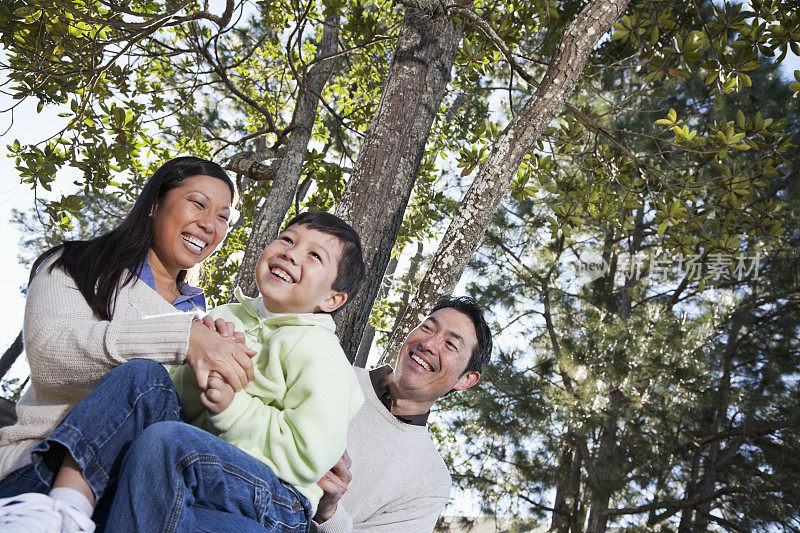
649 396
679 142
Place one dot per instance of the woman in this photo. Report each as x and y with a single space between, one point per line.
94 305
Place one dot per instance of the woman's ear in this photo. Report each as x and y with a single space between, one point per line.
333 302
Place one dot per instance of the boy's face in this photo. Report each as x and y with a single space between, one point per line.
296 271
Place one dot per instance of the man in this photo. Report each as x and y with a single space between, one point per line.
392 478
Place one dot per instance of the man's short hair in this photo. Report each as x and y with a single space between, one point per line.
351 270
468 306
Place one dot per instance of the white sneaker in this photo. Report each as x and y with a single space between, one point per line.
39 513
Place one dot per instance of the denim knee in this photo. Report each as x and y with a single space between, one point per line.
140 371
159 438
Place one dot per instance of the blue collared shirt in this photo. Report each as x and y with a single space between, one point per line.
191 298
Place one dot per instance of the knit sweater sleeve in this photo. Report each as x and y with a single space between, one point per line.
340 522
303 433
66 343
418 515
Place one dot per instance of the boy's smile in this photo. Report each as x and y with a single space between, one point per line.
296 271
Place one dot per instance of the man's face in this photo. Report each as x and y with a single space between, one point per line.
434 356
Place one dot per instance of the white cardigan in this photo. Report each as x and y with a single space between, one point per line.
69 350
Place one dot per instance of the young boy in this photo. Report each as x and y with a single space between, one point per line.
294 415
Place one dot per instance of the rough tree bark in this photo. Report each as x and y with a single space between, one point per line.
285 172
489 187
386 169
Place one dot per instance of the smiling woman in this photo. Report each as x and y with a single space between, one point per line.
92 307
188 224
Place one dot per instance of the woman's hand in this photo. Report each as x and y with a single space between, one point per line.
333 484
209 350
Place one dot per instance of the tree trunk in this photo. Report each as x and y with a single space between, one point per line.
287 170
604 471
719 420
10 355
489 187
568 492
386 169
684 526
369 330
408 290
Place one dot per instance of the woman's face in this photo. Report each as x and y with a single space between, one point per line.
190 221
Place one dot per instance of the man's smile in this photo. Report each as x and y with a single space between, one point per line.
421 362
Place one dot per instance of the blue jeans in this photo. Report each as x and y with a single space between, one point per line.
151 472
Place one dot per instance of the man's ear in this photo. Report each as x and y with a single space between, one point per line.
333 302
467 380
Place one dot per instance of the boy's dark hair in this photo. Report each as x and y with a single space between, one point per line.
467 306
351 270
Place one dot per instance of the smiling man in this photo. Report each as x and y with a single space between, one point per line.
392 478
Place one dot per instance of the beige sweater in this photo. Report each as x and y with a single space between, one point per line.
400 482
69 350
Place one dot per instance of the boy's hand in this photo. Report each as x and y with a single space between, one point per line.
218 395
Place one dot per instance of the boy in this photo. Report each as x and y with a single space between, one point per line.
294 415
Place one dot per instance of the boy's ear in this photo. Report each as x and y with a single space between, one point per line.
333 302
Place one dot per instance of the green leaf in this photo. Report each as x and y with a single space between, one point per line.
740 119
119 116
619 34
25 11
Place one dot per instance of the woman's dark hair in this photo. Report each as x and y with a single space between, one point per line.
98 265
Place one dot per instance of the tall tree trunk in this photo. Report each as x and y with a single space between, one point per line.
685 525
574 495
604 470
568 491
605 473
386 169
288 169
489 187
719 420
